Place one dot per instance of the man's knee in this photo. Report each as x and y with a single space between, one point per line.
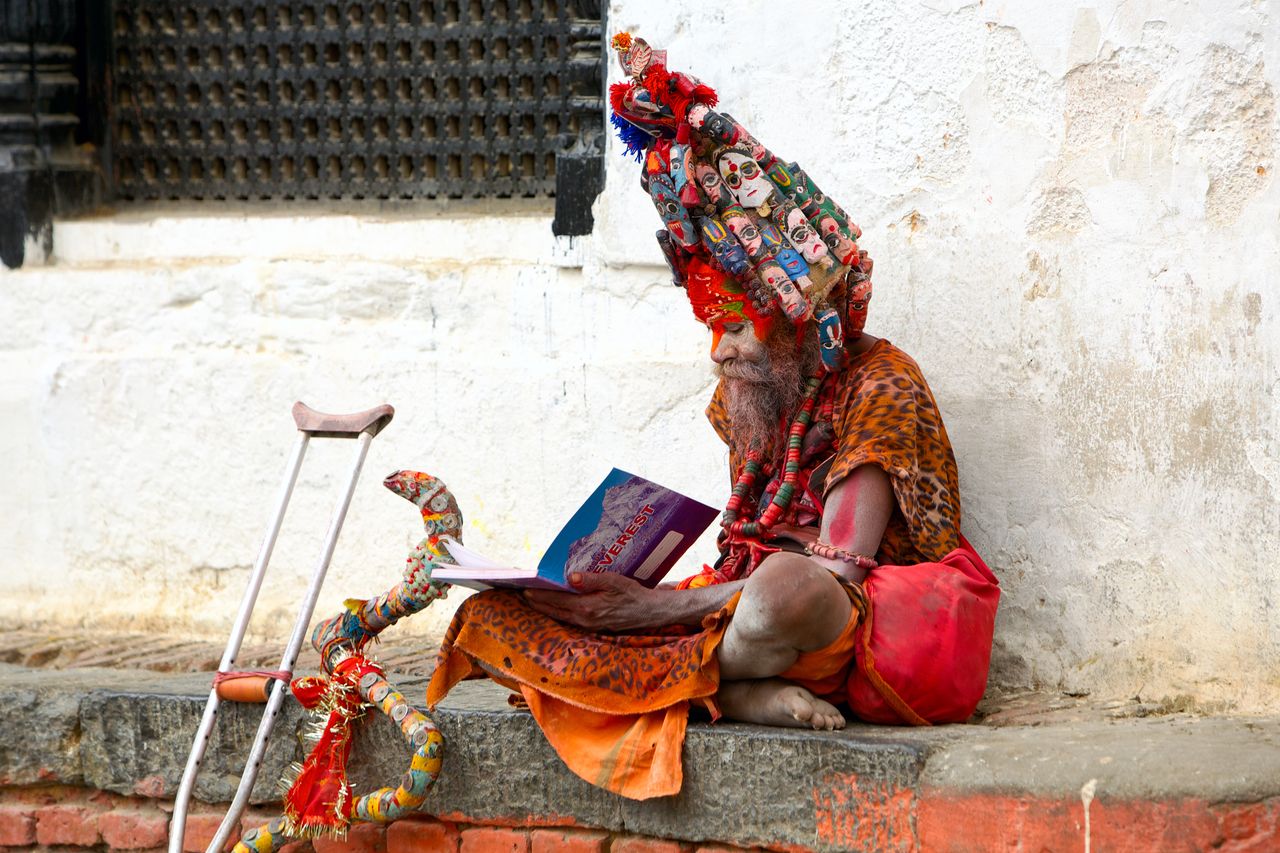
793 598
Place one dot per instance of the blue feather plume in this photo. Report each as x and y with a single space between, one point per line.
635 138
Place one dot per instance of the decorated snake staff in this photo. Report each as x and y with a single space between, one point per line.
843 587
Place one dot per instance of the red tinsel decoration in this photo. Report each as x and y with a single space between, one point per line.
319 801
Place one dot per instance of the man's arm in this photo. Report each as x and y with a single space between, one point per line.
612 602
855 516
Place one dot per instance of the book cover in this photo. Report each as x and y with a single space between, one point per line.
629 525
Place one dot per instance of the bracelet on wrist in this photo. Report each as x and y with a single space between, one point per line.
831 552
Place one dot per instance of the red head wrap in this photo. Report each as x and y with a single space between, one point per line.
717 298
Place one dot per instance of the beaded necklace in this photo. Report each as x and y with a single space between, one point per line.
739 528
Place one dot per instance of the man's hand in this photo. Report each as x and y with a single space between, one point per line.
606 602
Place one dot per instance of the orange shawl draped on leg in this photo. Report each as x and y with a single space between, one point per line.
613 706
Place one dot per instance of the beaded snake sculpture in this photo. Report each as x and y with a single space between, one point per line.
319 800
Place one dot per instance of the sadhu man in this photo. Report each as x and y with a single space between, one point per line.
845 501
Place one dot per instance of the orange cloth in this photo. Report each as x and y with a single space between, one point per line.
613 706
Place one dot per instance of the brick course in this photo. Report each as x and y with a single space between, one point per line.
568 841
417 835
134 830
65 824
199 832
494 840
63 819
17 827
960 824
362 838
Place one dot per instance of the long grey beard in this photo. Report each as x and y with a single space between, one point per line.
759 394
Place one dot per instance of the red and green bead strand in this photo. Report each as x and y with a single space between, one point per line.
790 475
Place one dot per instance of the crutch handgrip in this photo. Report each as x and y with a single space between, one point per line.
244 688
314 423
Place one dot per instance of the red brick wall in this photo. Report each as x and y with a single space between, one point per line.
65 817
76 820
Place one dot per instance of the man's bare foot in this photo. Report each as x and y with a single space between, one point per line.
774 702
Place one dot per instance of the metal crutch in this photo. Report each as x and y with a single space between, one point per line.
362 426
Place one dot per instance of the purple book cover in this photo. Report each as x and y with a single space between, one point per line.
629 525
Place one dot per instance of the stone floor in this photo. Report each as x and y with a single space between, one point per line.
78 649
116 713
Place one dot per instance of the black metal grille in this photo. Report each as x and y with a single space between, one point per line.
281 99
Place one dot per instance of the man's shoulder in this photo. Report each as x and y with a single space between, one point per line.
883 362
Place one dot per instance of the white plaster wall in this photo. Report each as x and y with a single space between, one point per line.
1075 222
146 399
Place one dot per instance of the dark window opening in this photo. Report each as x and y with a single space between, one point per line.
305 99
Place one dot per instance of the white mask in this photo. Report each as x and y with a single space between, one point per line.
744 178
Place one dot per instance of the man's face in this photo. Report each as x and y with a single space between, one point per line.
723 305
737 350
763 380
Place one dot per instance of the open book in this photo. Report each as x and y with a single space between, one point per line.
629 525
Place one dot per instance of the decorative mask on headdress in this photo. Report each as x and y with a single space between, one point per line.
667 199
742 175
726 251
748 235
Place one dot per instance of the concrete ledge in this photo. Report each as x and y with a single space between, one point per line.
507 232
129 733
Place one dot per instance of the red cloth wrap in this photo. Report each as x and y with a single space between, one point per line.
319 801
716 296
924 646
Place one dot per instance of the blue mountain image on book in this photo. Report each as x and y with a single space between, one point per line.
638 521
629 526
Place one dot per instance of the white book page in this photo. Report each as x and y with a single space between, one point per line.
472 564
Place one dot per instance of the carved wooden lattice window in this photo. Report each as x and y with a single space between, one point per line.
403 99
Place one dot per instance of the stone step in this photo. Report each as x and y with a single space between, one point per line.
867 787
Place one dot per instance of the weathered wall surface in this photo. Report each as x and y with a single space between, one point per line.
146 400
1076 229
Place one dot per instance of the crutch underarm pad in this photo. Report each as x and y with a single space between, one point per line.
323 425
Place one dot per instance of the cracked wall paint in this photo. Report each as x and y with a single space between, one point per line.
1074 216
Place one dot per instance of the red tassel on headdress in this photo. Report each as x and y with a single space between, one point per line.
704 94
617 93
690 90
677 91
655 83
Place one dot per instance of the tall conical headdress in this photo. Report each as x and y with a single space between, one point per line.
758 226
